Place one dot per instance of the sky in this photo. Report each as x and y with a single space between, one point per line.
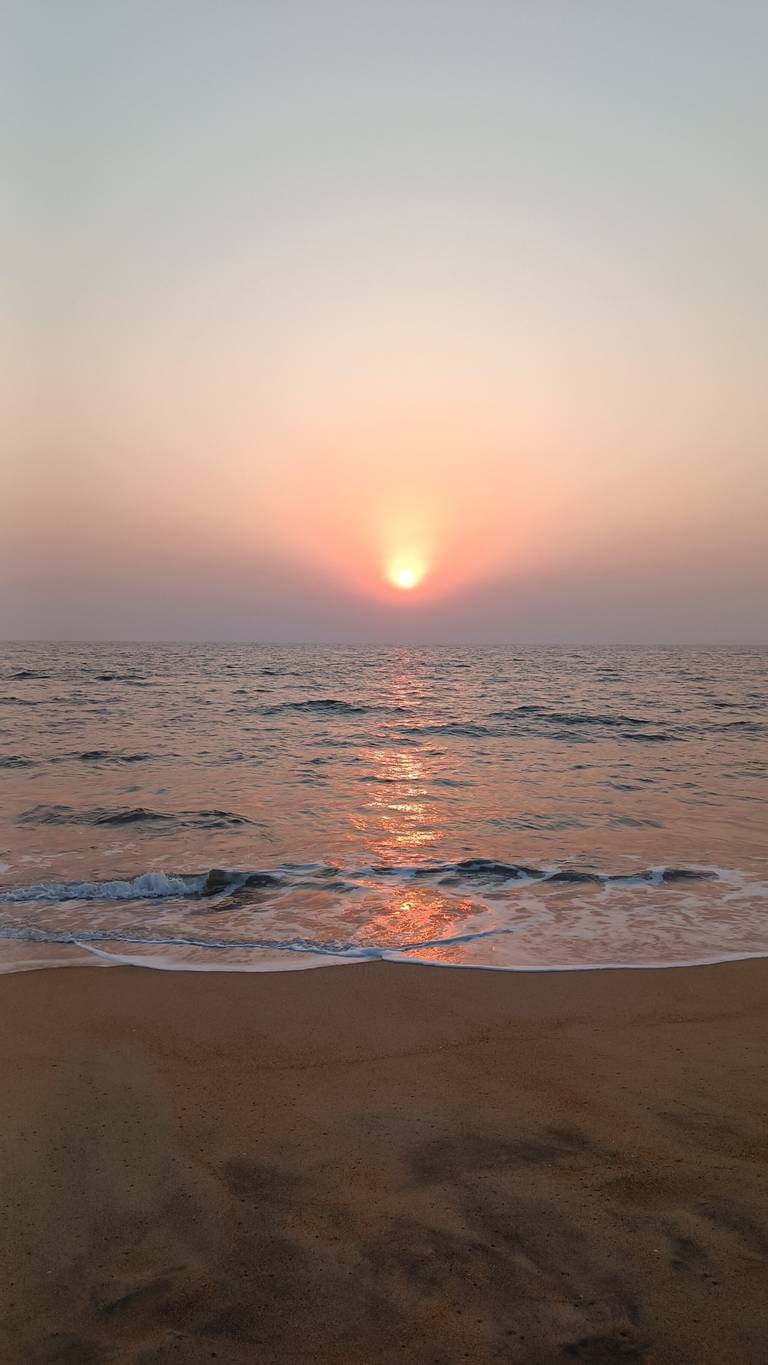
416 320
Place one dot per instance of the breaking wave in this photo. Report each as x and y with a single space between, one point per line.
476 912
159 885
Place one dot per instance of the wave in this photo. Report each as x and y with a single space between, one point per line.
131 815
84 756
647 737
147 886
217 881
569 718
524 721
465 729
108 756
745 727
476 912
270 955
324 705
335 948
136 679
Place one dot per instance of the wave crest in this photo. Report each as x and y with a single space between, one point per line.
472 871
131 815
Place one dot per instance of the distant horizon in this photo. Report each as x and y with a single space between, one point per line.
748 645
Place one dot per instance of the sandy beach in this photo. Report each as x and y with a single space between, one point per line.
384 1163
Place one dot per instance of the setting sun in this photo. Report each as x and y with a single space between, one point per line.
405 573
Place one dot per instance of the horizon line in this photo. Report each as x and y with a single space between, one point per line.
387 644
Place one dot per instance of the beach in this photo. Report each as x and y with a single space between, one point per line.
384 685
384 1163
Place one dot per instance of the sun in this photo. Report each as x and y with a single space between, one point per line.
405 578
405 573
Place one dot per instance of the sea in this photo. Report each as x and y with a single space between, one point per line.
258 808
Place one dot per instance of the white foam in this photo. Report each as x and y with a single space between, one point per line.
148 886
262 960
265 961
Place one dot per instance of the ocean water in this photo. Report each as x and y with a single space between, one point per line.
259 808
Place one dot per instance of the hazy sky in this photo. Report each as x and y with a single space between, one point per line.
305 292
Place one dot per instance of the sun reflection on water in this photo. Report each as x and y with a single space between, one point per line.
398 817
415 915
400 828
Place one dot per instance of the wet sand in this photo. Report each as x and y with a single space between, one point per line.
384 1163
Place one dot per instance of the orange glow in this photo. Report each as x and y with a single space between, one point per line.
405 572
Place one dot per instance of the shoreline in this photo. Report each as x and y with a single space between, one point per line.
89 957
384 1165
493 915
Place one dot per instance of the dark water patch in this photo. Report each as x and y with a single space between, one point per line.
575 877
220 879
97 815
308 778
209 760
568 718
15 761
211 819
107 756
269 672
131 815
744 727
531 722
335 742
634 822
495 871
648 737
322 705
451 728
18 701
24 674
687 874
136 679
551 824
